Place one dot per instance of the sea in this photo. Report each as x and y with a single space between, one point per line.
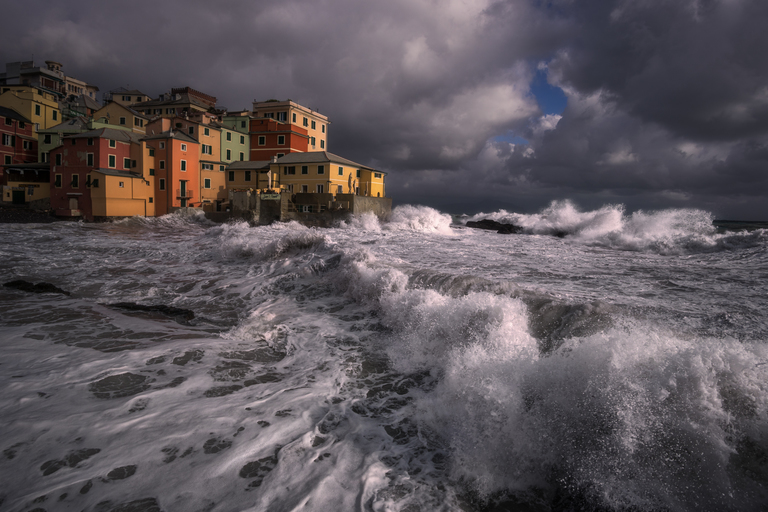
600 360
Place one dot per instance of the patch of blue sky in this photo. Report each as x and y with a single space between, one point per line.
551 99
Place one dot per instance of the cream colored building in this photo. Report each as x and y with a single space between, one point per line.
321 172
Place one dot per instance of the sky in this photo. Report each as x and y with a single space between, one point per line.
469 106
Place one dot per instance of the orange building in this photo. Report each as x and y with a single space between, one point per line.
177 170
270 138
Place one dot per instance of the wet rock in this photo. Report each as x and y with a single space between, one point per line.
141 505
258 469
117 386
492 225
283 413
10 453
87 487
155 360
263 424
175 382
107 346
222 391
231 370
215 445
192 355
71 460
139 405
26 286
263 379
179 314
260 355
170 454
121 473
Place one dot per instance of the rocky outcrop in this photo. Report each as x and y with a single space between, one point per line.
492 225
178 314
26 286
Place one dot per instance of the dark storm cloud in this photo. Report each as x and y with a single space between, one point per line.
667 100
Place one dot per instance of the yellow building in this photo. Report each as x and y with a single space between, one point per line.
120 116
321 172
27 183
291 112
126 97
40 107
251 175
121 194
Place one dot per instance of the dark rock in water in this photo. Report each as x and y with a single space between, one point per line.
117 386
26 286
216 445
71 460
121 473
142 505
175 313
504 229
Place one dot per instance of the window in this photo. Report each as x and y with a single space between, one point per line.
151 200
112 143
126 163
322 128
183 165
162 184
289 170
339 190
162 145
158 111
231 176
58 158
8 140
183 147
57 181
88 180
377 175
46 139
357 174
242 156
262 140
304 169
207 183
22 125
170 111
74 142
37 110
293 118
162 164
282 116
90 141
122 122
304 189
320 189
229 136
247 175
207 132
121 184
126 98
322 144
242 139
289 187
281 140
133 163
137 121
191 130
306 123
229 154
320 169
151 172
75 181
55 115
313 125
112 161
8 121
312 141
242 124
8 159
341 171
89 159
221 168
178 125
207 167
151 151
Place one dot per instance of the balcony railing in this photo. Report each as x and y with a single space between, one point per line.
183 194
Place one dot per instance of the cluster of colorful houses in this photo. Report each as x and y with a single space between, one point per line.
135 155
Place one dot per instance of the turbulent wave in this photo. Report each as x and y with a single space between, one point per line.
666 232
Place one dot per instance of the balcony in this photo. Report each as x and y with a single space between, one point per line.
183 194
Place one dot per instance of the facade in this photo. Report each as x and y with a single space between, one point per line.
238 121
270 138
235 146
321 172
26 183
96 174
53 137
77 106
122 117
37 105
17 142
125 97
176 170
251 175
315 123
49 78
180 101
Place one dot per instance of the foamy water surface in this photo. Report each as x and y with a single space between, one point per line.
599 361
